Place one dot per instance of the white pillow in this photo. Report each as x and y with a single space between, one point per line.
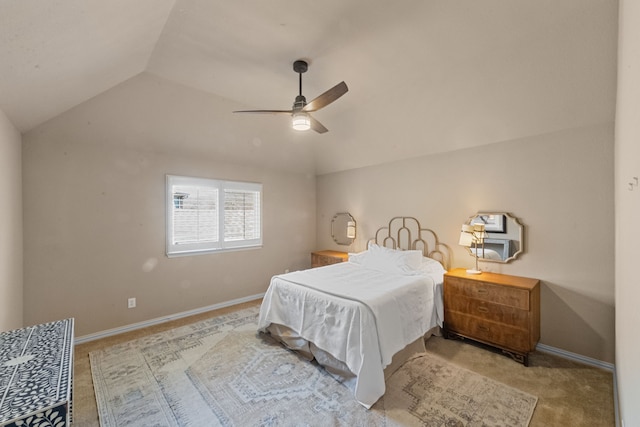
357 258
392 260
430 266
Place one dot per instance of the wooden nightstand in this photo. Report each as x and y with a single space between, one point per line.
495 309
320 258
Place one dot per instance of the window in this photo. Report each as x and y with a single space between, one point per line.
207 215
178 200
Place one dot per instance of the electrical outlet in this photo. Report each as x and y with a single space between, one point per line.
131 303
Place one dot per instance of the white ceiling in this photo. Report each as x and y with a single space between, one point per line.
425 76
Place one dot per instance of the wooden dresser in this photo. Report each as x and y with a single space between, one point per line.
495 309
320 258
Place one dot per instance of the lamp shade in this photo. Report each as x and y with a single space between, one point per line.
351 229
301 121
478 233
466 235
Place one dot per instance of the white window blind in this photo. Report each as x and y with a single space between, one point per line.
206 215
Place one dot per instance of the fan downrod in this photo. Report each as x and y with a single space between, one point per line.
300 66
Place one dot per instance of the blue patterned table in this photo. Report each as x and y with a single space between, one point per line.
36 374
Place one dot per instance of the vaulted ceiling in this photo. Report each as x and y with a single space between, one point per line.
424 76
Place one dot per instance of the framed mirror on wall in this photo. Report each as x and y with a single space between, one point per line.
503 240
343 228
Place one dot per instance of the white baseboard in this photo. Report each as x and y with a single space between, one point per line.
157 321
576 357
591 362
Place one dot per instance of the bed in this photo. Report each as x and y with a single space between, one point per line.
363 318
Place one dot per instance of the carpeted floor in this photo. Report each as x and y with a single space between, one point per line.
569 393
220 372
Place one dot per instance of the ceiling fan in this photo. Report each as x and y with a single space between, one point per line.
302 120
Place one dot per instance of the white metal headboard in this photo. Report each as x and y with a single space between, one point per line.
405 233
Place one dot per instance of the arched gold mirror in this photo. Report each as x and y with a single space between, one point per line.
343 228
504 240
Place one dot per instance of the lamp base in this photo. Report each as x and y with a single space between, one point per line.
473 271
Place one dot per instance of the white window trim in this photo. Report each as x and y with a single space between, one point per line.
173 250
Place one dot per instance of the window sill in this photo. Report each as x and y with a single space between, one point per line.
211 251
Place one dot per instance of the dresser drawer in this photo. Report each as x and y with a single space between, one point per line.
487 310
322 258
513 297
488 331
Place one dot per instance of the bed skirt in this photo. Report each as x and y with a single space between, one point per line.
337 368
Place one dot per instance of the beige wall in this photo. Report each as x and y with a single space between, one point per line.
94 194
627 159
559 185
10 226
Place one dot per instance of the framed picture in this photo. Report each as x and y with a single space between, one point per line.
492 223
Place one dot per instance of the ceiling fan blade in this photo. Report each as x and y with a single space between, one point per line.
326 98
266 111
317 126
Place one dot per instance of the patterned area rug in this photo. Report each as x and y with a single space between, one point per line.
219 372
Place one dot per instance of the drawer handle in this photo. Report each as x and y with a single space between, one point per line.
481 290
483 328
482 309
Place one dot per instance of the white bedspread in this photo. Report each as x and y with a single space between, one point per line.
358 315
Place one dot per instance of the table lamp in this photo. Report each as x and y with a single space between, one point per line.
473 234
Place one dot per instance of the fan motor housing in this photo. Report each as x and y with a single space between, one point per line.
300 102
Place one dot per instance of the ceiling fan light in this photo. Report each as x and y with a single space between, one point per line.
301 121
